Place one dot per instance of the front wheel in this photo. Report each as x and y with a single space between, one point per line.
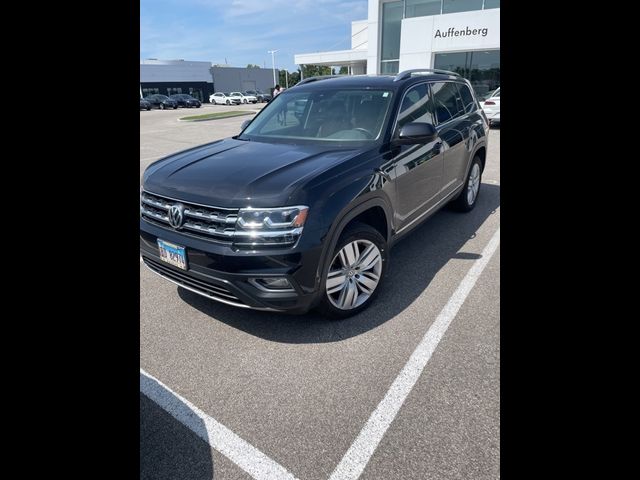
469 195
355 272
162 106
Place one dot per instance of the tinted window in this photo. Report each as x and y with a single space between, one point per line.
390 45
421 8
453 6
446 101
417 106
467 98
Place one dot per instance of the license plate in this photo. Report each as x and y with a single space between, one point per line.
172 254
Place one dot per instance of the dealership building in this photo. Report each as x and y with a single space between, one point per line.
458 35
200 79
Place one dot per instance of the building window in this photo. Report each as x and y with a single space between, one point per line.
422 8
391 20
389 67
453 6
150 91
172 91
481 68
491 4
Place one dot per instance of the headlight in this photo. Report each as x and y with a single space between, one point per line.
270 226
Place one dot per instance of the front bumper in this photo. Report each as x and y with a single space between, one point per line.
221 273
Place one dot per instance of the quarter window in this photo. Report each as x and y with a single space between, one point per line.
447 102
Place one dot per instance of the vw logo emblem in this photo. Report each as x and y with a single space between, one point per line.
176 215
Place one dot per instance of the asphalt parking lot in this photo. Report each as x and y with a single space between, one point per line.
279 396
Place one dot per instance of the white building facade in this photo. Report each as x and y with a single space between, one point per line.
458 35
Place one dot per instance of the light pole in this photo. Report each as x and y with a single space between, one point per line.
273 64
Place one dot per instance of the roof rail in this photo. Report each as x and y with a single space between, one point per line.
407 73
319 77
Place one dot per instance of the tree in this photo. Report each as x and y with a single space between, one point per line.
344 71
252 65
315 70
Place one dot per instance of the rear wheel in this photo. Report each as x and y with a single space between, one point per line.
228 102
469 195
355 272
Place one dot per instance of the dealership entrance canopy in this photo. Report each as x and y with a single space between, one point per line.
458 35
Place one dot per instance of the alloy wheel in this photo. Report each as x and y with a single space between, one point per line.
354 274
474 184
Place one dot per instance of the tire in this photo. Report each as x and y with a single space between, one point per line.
471 190
162 106
175 107
228 102
148 108
346 291
244 101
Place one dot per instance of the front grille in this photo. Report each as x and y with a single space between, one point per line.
212 223
202 287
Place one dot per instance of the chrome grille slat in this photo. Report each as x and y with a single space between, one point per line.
217 224
212 223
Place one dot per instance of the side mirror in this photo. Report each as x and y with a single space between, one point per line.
416 133
244 124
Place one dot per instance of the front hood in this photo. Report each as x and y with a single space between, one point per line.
233 173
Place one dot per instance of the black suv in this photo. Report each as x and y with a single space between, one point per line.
301 208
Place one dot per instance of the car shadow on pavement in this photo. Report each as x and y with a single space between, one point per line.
168 449
414 262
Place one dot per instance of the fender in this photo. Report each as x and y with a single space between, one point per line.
347 214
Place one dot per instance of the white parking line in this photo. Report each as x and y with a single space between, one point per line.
355 460
246 456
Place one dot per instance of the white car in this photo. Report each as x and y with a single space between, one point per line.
220 98
242 98
245 98
491 107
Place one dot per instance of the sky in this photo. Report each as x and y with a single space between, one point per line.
239 32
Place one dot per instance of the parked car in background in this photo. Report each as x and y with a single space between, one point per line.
245 98
261 96
220 98
491 107
144 104
161 101
185 100
291 215
235 97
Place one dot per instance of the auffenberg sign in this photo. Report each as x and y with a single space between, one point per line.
465 32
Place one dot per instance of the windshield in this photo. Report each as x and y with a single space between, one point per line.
326 116
236 94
